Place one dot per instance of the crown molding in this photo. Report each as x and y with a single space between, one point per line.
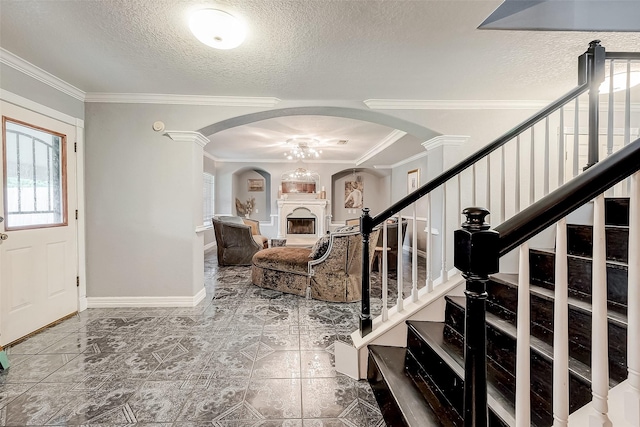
187 136
410 159
445 141
156 98
417 104
39 74
210 156
386 142
282 161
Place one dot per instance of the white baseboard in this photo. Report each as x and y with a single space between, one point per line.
119 302
209 246
82 303
421 253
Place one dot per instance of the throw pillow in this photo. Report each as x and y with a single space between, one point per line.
253 225
347 228
319 248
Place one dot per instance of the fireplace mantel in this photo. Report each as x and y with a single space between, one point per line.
318 207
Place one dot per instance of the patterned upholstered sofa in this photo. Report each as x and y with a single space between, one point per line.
332 274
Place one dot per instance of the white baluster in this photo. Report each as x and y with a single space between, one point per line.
610 112
399 265
473 185
414 256
517 195
503 186
429 256
444 274
384 272
532 169
632 396
627 107
561 150
488 202
561 330
545 173
627 116
611 191
523 348
576 137
599 322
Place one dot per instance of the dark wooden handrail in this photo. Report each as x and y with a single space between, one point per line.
469 161
566 199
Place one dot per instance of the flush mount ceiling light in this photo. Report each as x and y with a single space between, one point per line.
620 82
217 29
302 148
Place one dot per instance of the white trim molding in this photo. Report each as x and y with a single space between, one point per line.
409 159
20 101
442 104
386 142
445 141
39 74
210 156
203 228
115 302
187 136
158 98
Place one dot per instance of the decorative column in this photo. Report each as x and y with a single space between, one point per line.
196 142
443 152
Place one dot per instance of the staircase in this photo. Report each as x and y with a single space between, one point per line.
422 384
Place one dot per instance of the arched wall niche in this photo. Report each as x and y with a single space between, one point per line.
351 185
252 183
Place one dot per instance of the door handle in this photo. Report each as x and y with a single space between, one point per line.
4 236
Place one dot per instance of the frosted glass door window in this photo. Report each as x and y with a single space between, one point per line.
35 176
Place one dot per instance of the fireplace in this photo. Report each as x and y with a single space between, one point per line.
301 221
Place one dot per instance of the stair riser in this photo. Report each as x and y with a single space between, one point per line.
501 351
502 301
542 267
451 386
505 382
616 211
580 242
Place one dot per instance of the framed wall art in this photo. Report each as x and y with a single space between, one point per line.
256 184
413 180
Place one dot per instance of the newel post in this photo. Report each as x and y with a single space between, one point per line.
591 66
366 325
476 256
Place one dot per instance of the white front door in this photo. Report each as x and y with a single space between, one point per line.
38 258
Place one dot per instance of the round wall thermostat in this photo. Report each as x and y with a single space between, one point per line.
158 126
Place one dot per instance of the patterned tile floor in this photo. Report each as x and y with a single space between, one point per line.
245 356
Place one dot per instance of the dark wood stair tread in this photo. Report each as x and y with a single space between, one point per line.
390 362
576 367
432 334
512 280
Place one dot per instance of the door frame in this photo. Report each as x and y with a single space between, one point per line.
25 103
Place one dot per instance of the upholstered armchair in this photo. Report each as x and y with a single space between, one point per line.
235 241
330 271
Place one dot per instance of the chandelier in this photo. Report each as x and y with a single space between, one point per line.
300 174
302 148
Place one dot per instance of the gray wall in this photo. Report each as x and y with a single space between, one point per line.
20 84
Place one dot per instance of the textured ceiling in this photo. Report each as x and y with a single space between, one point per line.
298 50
